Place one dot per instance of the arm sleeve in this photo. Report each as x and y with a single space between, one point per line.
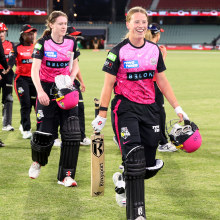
160 64
2 57
112 62
12 57
75 49
38 51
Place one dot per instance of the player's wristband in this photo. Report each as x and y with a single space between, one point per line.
103 109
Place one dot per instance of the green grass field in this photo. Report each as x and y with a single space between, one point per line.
187 188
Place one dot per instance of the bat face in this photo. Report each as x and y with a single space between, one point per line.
97 165
98 146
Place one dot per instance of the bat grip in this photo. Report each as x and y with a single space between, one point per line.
96 101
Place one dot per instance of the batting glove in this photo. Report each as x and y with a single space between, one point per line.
98 123
179 110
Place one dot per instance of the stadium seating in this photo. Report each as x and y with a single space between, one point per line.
188 5
144 3
174 34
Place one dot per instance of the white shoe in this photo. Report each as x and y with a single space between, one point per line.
167 148
121 199
115 177
57 143
27 134
8 128
68 182
120 189
1 143
21 129
86 141
115 141
34 170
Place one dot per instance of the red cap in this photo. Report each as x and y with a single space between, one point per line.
27 28
3 27
72 31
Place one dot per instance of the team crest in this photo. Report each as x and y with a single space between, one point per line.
153 61
20 90
62 104
40 114
125 133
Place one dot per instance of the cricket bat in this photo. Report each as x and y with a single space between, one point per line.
97 160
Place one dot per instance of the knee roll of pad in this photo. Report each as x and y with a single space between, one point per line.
135 163
41 144
134 172
152 171
70 131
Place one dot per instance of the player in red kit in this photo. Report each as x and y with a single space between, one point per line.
6 82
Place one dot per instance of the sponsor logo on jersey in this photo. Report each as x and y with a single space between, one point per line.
51 54
27 61
57 64
131 64
27 54
111 56
135 76
153 61
108 64
38 46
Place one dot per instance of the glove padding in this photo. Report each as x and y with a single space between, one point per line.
63 82
98 123
179 110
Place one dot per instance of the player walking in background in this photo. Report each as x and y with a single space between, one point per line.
52 62
6 82
24 87
80 83
3 62
153 34
130 67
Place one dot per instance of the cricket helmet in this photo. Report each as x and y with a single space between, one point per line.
67 98
185 137
3 27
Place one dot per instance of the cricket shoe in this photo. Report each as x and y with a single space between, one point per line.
1 143
167 148
121 199
57 143
27 134
68 182
119 189
8 128
118 182
86 142
34 170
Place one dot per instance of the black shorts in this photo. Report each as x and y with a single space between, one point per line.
136 124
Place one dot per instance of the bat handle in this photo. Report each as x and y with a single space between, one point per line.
96 101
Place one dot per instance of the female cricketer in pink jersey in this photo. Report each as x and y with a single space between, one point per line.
153 34
129 70
54 68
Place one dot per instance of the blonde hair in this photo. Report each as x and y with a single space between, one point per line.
133 11
51 20
150 36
